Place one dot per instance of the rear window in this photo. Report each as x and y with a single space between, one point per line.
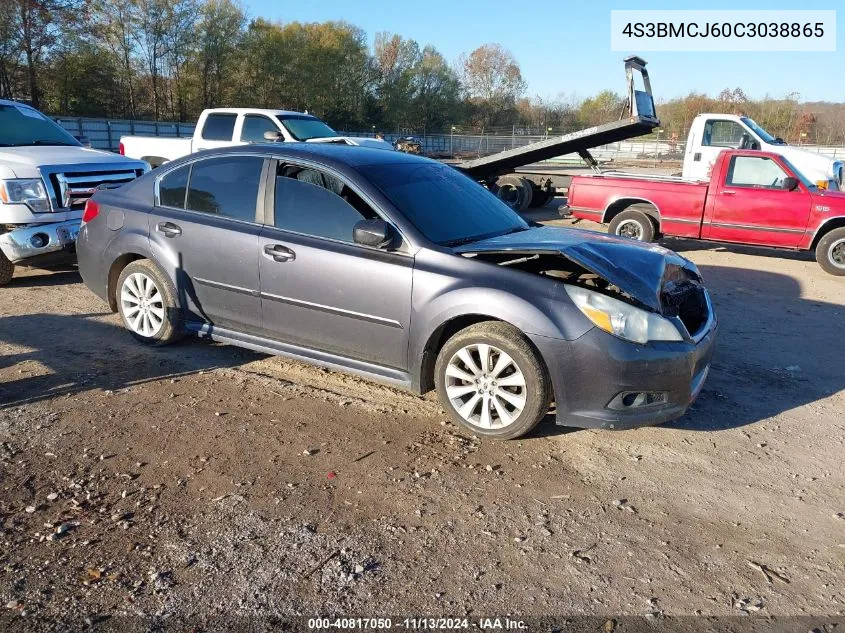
225 186
219 127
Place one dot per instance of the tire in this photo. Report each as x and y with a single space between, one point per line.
539 198
456 387
7 269
830 252
156 321
515 191
634 224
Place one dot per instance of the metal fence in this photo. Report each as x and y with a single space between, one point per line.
106 133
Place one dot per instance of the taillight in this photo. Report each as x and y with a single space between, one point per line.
92 210
121 150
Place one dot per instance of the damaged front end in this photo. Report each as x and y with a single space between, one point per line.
673 291
23 245
647 357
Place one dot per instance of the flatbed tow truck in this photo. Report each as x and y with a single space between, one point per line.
526 188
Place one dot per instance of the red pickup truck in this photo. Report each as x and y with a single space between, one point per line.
753 197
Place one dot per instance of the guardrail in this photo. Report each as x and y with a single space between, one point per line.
106 133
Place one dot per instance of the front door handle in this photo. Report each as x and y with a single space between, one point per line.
728 193
279 253
169 229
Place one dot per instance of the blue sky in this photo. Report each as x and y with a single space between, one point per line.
563 47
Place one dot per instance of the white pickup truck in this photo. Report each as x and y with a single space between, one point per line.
711 133
224 127
46 176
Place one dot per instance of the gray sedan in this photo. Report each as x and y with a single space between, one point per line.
403 270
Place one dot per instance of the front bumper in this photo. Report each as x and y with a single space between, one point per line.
589 372
41 239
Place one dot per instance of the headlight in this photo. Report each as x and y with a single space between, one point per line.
622 319
30 191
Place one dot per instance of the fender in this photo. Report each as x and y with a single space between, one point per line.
633 200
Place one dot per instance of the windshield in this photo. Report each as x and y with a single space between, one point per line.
21 125
442 203
763 134
304 127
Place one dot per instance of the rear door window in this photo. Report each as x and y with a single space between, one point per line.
219 127
226 186
172 188
254 128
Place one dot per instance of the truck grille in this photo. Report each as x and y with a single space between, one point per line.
686 300
72 189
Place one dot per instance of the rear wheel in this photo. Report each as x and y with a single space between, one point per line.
634 224
492 381
830 252
146 302
7 269
540 197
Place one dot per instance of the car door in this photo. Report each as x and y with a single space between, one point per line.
717 135
254 126
318 288
204 228
217 130
752 206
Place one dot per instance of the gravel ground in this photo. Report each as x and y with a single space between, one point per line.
207 481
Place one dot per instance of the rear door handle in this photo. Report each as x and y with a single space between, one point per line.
169 229
279 253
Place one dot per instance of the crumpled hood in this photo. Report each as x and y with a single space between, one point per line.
637 268
25 161
361 141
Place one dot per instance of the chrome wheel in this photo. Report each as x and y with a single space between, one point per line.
142 305
837 254
630 228
485 386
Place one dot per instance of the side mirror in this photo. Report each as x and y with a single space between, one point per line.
790 183
376 233
273 136
86 142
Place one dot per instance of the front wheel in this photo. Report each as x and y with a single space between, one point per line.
492 381
830 252
633 224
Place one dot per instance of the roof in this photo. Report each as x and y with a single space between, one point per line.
258 111
332 154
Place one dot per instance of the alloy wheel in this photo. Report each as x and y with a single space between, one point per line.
485 386
142 305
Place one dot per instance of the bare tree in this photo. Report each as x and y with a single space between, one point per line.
493 79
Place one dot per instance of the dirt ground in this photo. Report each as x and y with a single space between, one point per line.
205 480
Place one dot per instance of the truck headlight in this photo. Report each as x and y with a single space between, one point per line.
622 319
28 191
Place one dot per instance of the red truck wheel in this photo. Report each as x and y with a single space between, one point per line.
830 252
633 224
